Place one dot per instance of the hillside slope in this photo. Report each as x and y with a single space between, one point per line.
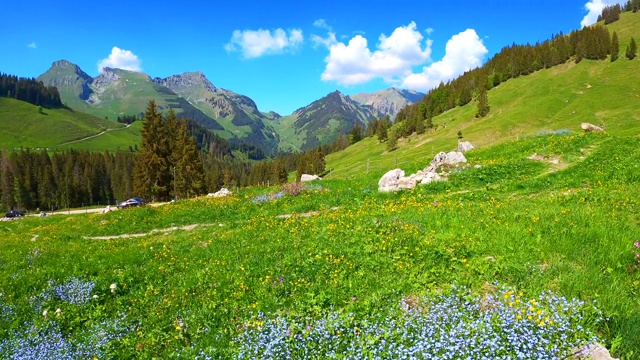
562 97
22 125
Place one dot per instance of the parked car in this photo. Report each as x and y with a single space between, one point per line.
135 201
14 213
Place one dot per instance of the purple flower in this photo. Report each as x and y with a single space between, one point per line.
354 298
636 244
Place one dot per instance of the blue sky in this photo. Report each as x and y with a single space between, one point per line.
282 54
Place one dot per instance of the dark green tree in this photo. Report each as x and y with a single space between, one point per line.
392 142
188 170
615 47
151 175
632 49
483 102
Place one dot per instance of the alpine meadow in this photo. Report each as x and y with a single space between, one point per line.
495 215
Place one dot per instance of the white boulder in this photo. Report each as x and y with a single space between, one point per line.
464 146
455 157
590 127
307 177
389 181
221 193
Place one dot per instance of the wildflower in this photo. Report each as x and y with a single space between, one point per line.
113 288
58 312
636 244
44 313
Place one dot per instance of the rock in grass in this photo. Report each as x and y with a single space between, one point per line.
464 146
221 193
389 181
455 157
307 177
593 352
590 127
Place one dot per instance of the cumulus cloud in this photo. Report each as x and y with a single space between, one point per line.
120 59
32 45
354 63
464 51
255 43
594 9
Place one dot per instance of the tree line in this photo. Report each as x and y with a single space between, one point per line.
29 90
592 43
176 159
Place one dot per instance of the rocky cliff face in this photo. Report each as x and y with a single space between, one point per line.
186 82
389 101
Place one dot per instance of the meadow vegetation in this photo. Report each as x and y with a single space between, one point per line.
520 257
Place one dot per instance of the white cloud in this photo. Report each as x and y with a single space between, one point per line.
326 41
255 43
322 24
120 59
464 51
428 30
594 8
32 45
354 63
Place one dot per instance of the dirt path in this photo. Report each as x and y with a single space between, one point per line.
92 136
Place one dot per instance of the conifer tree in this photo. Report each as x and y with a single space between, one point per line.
631 49
151 176
483 102
189 178
392 142
615 47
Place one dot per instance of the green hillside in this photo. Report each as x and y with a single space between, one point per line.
114 140
562 97
21 125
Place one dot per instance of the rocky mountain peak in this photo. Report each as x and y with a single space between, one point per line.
187 80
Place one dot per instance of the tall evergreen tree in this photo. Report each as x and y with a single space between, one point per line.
189 178
151 175
615 47
483 102
632 49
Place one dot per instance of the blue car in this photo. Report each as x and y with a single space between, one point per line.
14 213
135 201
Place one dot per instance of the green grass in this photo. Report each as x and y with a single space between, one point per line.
598 92
21 125
524 224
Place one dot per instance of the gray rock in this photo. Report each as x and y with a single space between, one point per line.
307 177
430 177
407 183
590 127
455 157
593 352
464 146
389 181
221 193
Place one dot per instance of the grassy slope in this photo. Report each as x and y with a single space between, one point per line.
599 92
522 224
22 126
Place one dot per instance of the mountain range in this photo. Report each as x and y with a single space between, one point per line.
117 92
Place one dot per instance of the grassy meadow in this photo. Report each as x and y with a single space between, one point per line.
22 125
514 258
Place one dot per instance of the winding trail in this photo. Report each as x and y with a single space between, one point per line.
93 136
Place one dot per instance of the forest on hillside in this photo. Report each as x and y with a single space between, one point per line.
591 43
29 90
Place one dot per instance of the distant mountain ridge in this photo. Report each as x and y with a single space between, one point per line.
121 92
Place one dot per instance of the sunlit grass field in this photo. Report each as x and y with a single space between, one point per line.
510 254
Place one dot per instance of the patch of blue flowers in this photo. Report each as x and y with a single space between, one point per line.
48 341
456 325
74 291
